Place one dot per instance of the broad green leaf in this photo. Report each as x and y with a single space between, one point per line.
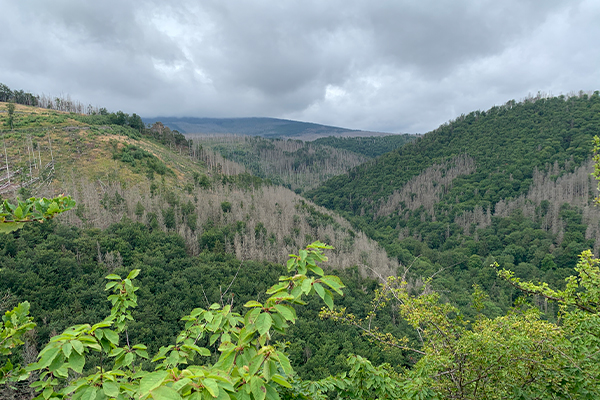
333 282
113 337
290 264
129 357
110 388
142 353
286 311
203 351
316 270
280 380
165 393
285 363
253 303
263 323
226 360
307 285
89 393
47 356
319 289
77 346
211 386
181 383
8 227
76 362
66 349
258 388
133 273
328 299
113 276
18 213
152 381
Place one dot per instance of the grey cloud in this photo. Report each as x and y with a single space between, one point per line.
386 65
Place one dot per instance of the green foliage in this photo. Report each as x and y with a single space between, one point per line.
14 216
507 144
246 365
141 160
371 146
15 323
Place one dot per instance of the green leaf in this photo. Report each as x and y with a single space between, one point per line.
152 381
306 285
333 282
280 380
253 303
263 323
77 346
285 363
316 270
110 389
226 360
8 227
211 386
165 393
203 351
47 356
18 213
133 273
89 393
113 277
113 337
328 299
129 357
319 289
290 264
66 349
258 388
76 362
142 353
286 311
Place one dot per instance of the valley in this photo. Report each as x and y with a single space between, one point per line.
420 226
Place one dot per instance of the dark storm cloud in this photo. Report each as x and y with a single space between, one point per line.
386 65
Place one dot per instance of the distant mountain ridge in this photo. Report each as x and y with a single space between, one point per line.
258 126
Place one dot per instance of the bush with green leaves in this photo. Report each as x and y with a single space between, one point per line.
248 364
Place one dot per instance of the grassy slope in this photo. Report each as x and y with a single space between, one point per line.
84 149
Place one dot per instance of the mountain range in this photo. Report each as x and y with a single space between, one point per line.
265 127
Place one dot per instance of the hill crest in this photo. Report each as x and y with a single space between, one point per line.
258 126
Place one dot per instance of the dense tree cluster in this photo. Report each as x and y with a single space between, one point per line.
372 146
509 184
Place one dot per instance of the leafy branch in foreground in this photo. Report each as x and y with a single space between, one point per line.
15 323
14 216
248 365
512 356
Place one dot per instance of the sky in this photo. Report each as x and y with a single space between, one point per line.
390 66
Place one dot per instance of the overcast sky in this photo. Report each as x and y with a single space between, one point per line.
390 66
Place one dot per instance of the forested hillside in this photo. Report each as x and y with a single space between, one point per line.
215 290
371 146
156 176
509 184
292 163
